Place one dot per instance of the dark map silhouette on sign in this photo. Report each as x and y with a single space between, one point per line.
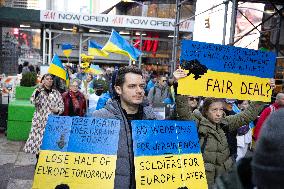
194 67
61 143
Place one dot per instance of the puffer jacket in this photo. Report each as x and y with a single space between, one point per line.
212 138
158 94
124 173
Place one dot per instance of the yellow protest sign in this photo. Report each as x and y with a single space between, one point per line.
167 155
171 171
227 85
226 72
77 170
77 152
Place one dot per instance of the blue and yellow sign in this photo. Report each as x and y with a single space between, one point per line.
167 155
226 72
78 152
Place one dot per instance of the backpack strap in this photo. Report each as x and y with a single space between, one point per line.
272 108
202 148
154 91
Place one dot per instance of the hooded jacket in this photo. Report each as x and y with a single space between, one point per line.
213 142
124 173
158 94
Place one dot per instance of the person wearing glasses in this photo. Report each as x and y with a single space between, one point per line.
193 102
74 100
159 93
47 100
211 121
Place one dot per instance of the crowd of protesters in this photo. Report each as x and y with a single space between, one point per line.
224 125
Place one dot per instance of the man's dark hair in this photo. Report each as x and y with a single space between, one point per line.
62 186
46 75
31 68
154 75
120 77
25 63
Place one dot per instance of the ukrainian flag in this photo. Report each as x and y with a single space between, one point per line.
94 69
56 68
67 49
117 44
95 49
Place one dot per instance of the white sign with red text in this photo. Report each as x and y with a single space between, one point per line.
123 21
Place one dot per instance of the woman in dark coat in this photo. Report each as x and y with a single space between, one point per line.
74 101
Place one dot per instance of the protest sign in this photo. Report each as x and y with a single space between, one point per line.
167 155
78 152
226 72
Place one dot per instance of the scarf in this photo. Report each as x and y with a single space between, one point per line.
74 97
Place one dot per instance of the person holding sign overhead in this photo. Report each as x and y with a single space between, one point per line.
211 122
126 106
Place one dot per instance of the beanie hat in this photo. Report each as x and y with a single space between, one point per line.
101 84
268 160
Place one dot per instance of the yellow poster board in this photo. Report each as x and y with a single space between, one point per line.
77 152
77 170
167 155
224 71
226 85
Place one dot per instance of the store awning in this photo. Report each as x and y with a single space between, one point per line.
14 17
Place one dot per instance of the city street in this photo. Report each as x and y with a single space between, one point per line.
16 167
176 94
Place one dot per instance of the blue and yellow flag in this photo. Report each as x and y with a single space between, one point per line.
117 44
56 68
167 155
67 49
95 49
94 69
223 71
78 159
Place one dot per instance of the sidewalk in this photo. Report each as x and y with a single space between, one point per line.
16 167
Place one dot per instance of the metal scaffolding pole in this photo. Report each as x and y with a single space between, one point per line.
280 18
49 46
176 36
44 47
225 22
140 45
233 20
80 48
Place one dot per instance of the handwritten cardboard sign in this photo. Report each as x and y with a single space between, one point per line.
78 152
167 155
226 72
